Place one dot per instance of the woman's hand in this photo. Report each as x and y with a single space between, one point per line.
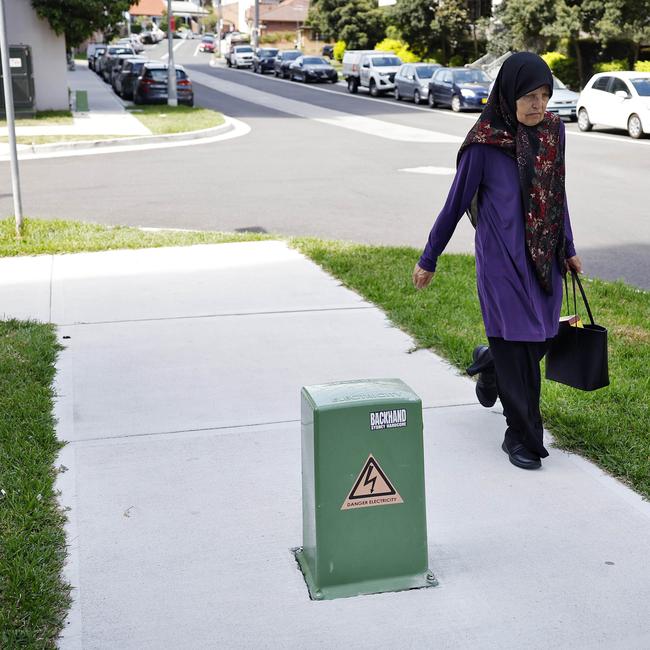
574 264
421 278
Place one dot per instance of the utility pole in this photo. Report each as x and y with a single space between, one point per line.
219 25
11 121
256 25
172 98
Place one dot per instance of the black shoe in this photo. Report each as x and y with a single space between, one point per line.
522 457
482 360
486 386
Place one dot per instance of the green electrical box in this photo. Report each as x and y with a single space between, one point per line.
364 511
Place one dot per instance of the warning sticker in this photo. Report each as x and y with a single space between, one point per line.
372 488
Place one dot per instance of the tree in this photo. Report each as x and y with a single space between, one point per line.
524 22
78 19
413 20
360 23
450 23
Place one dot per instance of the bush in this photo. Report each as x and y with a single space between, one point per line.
563 67
339 50
136 28
399 48
456 61
267 39
611 66
642 66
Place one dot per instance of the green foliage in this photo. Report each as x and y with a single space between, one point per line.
642 66
78 19
456 61
399 48
413 19
563 67
339 50
611 66
360 23
136 28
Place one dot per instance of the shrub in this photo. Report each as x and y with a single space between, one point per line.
339 49
399 48
642 66
136 28
611 66
563 67
269 38
456 61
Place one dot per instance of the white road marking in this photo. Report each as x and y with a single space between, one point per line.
367 125
196 51
436 171
166 54
240 129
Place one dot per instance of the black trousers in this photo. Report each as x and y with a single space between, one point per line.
519 384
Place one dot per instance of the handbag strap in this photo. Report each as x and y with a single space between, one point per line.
574 279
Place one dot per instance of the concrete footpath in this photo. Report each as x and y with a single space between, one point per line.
178 394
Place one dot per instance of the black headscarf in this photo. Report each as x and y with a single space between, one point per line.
538 153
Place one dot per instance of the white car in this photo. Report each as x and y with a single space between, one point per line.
616 99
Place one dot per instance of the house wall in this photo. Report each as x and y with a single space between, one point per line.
24 27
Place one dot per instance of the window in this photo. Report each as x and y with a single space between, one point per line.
447 77
618 84
469 76
160 74
425 71
601 83
384 61
642 86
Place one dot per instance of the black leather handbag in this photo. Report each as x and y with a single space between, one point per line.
577 356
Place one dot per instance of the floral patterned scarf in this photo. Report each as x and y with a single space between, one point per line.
539 155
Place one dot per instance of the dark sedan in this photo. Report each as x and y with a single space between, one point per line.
263 59
282 62
151 85
97 51
105 62
460 88
128 76
312 68
118 63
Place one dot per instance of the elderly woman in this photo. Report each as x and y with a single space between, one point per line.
510 180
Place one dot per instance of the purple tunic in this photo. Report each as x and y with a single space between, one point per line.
513 303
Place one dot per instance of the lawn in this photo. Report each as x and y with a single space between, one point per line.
163 119
43 118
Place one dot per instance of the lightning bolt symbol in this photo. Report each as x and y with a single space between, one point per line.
367 480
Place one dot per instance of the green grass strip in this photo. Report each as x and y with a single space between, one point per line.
44 118
41 237
163 119
33 597
610 426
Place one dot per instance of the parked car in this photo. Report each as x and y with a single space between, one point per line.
371 69
118 62
312 68
460 88
282 62
563 101
263 59
152 36
134 41
412 81
328 51
124 80
616 99
240 56
207 44
94 53
151 86
106 61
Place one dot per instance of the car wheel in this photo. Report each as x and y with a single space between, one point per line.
275 73
304 79
416 97
583 120
398 97
353 86
373 89
634 126
432 101
455 104
137 99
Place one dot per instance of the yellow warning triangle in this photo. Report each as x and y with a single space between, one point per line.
372 488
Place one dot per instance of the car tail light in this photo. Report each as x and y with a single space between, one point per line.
147 82
184 82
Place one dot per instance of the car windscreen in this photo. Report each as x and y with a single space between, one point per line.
558 84
136 68
641 85
314 60
425 71
243 49
289 56
160 74
268 52
385 61
207 39
470 76
120 50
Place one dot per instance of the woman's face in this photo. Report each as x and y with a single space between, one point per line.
531 107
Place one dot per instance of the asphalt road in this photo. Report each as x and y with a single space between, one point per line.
321 162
